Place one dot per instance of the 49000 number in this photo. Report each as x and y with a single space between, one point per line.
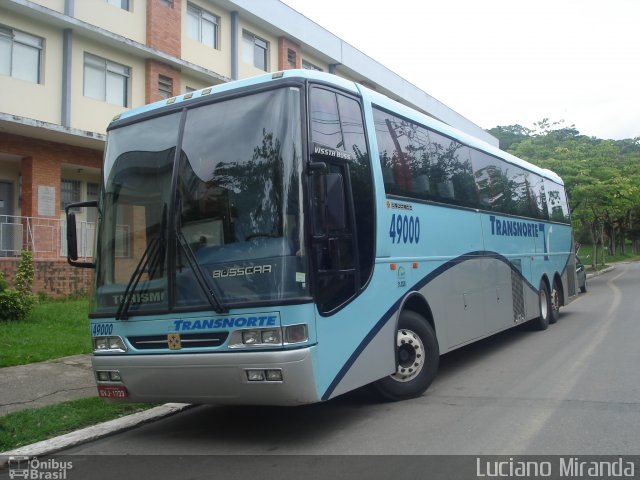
101 329
404 229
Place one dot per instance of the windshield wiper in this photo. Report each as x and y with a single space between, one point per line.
212 296
206 287
150 260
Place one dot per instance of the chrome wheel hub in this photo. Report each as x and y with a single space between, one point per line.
544 304
411 356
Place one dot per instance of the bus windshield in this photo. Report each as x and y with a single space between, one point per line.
227 230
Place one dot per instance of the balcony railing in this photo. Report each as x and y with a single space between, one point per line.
45 237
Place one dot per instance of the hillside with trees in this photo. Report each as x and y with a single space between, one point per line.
602 179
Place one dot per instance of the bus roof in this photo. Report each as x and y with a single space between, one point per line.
357 89
237 84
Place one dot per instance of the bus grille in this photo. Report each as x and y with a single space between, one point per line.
187 340
517 292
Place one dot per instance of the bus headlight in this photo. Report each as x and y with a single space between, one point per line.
250 337
256 337
271 337
296 333
108 345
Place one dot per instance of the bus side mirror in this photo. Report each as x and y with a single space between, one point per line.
336 218
72 235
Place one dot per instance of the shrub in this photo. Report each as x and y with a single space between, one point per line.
15 304
12 307
25 273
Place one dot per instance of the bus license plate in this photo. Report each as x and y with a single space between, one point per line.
117 391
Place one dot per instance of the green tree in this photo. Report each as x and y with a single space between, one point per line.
602 177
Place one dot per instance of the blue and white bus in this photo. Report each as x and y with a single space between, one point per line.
288 238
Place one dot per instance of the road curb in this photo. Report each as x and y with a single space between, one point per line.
600 272
94 432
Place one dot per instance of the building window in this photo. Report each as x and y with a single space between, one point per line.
167 3
20 55
93 190
255 51
69 193
105 80
202 26
291 58
310 66
165 86
123 4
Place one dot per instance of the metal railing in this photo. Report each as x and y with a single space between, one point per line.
45 237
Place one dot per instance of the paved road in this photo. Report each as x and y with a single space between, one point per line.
572 389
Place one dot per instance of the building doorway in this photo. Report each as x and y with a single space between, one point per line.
7 221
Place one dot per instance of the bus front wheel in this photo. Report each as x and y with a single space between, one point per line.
417 359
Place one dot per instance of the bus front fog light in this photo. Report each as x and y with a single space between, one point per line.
271 336
255 375
274 375
250 337
103 375
114 376
296 334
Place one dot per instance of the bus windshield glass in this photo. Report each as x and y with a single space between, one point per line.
226 231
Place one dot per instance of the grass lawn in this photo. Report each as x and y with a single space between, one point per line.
29 426
53 329
586 254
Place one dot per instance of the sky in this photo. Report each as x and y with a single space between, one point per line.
505 62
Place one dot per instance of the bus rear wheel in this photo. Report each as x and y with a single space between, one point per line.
417 359
544 300
555 302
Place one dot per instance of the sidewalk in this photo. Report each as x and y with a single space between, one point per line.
46 383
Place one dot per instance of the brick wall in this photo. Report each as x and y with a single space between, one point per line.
153 69
164 26
41 164
55 278
284 45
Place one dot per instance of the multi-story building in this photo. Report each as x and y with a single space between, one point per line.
67 67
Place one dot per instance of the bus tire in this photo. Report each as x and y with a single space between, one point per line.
554 300
417 359
544 303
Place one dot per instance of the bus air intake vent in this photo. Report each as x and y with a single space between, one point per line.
571 282
187 340
517 292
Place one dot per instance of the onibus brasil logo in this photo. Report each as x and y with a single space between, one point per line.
32 468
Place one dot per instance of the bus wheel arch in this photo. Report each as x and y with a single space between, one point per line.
417 353
418 304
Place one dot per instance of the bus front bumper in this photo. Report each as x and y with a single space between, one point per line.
213 378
